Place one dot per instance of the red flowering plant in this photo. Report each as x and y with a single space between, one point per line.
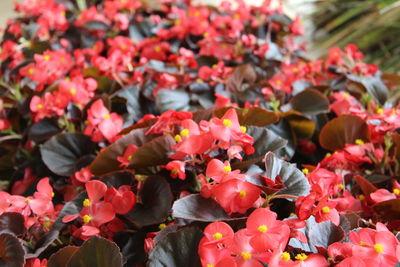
164 133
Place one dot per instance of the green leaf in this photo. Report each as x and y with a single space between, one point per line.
156 200
62 152
12 253
177 249
96 252
345 129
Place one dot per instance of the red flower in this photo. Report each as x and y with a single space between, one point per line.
122 199
221 172
177 169
218 233
266 231
236 195
126 158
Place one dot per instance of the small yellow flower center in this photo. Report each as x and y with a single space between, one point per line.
278 82
46 57
242 193
326 209
379 111
246 255
362 243
341 186
305 171
328 154
210 265
185 132
177 22
361 197
178 138
27 200
31 71
72 91
243 129
346 95
87 218
52 194
175 171
162 226
378 248
227 168
262 228
301 257
285 256
360 142
199 80
86 202
39 106
396 191
129 157
46 224
157 49
217 236
227 122
107 116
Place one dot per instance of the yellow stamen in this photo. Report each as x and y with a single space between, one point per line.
39 106
129 157
217 236
361 197
227 122
162 226
87 218
178 138
246 255
360 142
346 95
175 171
227 168
262 228
341 186
86 202
242 193
362 243
326 209
305 171
396 191
379 111
72 91
107 116
378 248
285 256
185 132
157 49
46 57
243 129
210 265
301 257
31 71
328 154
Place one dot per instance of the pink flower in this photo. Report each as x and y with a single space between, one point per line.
177 169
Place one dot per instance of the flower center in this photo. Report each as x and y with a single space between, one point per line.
262 228
86 202
107 116
227 122
227 168
242 193
178 138
285 256
87 218
246 255
378 248
301 257
396 191
217 236
72 91
185 132
39 106
360 142
326 209
243 129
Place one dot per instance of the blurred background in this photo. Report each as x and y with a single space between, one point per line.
374 25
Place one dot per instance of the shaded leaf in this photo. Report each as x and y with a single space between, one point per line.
366 186
12 222
61 257
294 180
12 253
156 199
96 252
374 86
301 126
43 130
172 100
106 161
62 152
345 129
197 208
387 210
253 116
177 249
95 25
131 94
324 234
310 102
241 74
264 141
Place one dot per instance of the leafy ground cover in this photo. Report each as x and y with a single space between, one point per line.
140 133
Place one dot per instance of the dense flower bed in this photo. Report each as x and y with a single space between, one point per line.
138 132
